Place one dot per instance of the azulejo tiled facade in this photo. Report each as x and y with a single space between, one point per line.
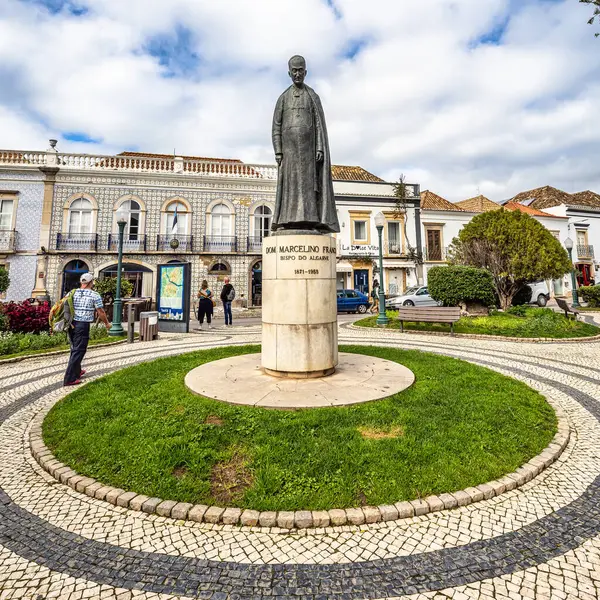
223 209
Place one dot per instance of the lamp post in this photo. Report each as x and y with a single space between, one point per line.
116 328
569 247
382 319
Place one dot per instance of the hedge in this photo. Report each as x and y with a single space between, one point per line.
454 285
591 295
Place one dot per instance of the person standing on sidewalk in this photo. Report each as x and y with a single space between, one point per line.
227 297
205 305
86 303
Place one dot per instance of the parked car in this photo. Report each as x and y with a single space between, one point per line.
352 301
539 293
415 296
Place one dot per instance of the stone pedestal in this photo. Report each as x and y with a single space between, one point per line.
299 309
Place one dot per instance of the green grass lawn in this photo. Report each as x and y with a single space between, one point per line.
536 323
140 429
97 342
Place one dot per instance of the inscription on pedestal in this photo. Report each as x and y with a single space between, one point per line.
300 261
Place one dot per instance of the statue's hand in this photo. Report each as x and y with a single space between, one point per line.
278 158
319 156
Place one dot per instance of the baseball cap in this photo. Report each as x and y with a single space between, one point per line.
86 278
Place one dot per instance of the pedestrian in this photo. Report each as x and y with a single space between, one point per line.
86 303
205 305
375 297
227 297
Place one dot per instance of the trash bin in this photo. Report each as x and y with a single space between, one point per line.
148 326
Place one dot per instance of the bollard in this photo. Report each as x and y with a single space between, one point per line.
130 322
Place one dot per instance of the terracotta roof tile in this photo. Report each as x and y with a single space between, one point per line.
343 173
586 198
544 197
431 201
534 212
479 204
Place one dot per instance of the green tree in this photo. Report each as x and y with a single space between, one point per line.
107 288
513 247
596 5
4 280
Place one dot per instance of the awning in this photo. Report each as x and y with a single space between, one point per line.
398 264
343 267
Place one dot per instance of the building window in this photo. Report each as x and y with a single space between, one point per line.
220 221
132 211
177 219
80 216
394 239
555 233
434 244
262 221
219 268
360 231
6 214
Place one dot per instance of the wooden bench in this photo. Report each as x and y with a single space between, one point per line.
562 304
429 314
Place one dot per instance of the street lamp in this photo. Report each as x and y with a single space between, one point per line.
382 319
569 247
116 327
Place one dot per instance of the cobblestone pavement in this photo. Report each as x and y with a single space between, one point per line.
539 541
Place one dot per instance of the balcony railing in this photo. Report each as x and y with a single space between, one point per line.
585 251
8 240
254 244
174 243
219 243
77 241
135 243
435 254
393 249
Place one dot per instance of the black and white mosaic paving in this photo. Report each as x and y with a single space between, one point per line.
540 541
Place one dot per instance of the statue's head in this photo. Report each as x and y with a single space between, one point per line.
297 69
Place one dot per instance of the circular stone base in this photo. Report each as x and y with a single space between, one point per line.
242 380
296 375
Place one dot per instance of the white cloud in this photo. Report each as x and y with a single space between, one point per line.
421 97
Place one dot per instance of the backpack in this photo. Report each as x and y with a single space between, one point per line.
62 313
231 294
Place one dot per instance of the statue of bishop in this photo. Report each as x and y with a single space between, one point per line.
305 199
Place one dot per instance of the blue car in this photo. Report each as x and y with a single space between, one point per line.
352 301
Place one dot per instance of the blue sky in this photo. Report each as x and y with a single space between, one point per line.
495 96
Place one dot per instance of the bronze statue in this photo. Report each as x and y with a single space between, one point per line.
305 199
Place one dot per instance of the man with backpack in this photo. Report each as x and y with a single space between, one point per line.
227 297
85 303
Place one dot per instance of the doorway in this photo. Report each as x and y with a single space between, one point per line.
71 273
361 280
257 284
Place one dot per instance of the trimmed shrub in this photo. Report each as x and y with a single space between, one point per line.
456 284
591 295
27 316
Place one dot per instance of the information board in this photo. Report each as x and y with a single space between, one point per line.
173 297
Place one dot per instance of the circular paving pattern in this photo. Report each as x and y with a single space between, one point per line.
241 380
542 540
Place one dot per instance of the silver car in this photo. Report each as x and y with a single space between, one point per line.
414 296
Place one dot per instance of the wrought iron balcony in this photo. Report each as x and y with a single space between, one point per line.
255 244
220 243
393 249
585 251
131 243
174 243
77 241
8 240
435 254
